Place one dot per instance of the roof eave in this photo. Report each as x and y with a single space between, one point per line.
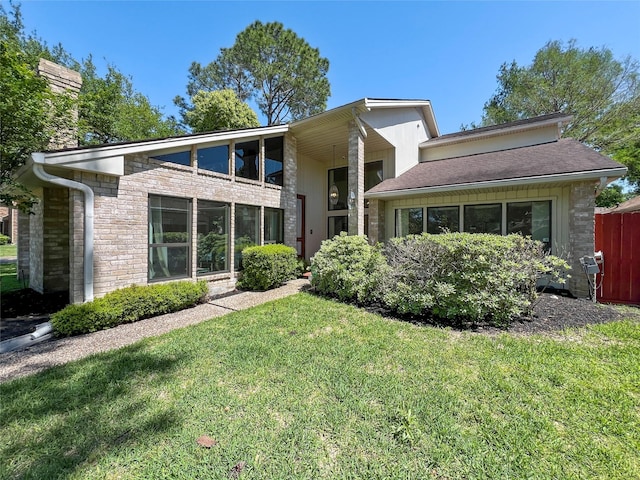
609 173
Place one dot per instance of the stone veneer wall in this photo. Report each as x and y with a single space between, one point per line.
23 246
121 214
356 180
581 234
376 221
36 244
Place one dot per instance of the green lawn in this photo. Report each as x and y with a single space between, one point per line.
8 279
8 250
308 388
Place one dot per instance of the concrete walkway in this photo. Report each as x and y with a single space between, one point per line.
57 352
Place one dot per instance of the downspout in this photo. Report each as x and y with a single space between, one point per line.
38 170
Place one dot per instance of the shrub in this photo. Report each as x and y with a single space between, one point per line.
127 305
4 239
348 268
268 266
465 277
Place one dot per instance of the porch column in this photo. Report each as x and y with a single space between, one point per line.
376 221
581 234
355 192
290 189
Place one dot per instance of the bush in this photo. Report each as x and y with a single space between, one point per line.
4 240
348 268
268 266
128 305
465 277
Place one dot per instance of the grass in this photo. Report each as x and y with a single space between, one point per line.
8 279
308 388
8 250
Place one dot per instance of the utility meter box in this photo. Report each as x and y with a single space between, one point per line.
590 265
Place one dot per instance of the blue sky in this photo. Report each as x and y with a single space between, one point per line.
446 52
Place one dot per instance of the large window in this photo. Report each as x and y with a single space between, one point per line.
273 225
169 237
337 225
248 159
483 218
181 158
339 177
273 161
373 175
215 159
530 219
213 237
441 219
247 233
408 221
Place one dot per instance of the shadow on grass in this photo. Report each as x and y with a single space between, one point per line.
72 415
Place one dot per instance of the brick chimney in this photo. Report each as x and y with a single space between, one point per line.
63 80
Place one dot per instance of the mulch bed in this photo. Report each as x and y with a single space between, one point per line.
22 310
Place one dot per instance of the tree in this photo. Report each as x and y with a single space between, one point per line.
112 111
602 94
218 110
284 75
611 196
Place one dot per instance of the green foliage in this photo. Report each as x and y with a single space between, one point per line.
285 75
463 277
4 239
347 267
267 266
212 250
127 305
602 94
217 110
612 196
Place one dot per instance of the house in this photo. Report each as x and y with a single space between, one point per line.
184 207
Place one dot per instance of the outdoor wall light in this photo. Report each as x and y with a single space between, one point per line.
334 193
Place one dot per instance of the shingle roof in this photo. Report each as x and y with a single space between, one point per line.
503 126
631 205
561 157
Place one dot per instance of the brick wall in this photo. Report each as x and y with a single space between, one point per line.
36 246
121 214
581 234
23 246
55 243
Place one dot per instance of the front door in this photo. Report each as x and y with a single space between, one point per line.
300 228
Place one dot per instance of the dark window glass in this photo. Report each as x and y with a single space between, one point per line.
483 218
531 219
215 159
247 159
169 237
337 225
273 225
408 221
443 218
247 233
373 175
339 177
213 237
181 158
273 161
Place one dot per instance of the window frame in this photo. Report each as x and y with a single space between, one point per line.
227 232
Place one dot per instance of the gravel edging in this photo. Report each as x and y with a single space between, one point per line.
57 352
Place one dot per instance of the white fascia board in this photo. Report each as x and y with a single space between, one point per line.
62 157
373 103
510 182
438 142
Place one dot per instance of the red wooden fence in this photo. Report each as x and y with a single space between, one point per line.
618 236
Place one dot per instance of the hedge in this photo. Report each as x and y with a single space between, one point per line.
267 266
128 305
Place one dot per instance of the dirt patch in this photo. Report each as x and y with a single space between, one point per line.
22 310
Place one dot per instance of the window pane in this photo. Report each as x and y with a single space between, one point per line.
247 157
168 262
443 218
168 220
169 237
337 225
273 225
213 237
273 162
339 176
483 218
247 223
181 158
530 219
408 221
372 174
215 159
